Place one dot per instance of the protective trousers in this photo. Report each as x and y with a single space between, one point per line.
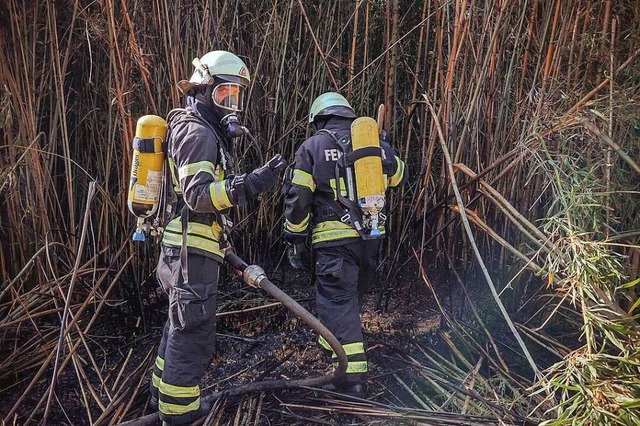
344 273
188 340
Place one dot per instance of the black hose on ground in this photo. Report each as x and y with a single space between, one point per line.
256 277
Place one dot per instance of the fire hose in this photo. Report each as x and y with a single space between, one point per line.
255 276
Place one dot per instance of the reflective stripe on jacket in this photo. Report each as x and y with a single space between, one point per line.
197 157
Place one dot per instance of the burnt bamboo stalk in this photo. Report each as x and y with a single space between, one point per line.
65 315
138 55
585 24
605 25
365 53
581 103
387 55
551 50
571 69
352 59
529 263
538 70
560 54
317 44
469 233
390 103
417 68
611 143
61 110
79 312
608 165
511 72
282 62
534 234
474 102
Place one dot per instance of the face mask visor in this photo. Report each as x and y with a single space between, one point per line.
229 97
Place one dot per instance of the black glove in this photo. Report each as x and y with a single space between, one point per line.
266 177
298 255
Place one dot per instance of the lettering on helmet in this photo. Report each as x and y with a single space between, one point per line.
243 72
332 154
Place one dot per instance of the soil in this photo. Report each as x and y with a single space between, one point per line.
272 343
260 340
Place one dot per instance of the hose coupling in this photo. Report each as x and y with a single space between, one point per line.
253 275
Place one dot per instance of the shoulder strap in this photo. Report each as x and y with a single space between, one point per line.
346 209
342 144
349 155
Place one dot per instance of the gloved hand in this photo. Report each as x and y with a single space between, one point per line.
298 255
266 177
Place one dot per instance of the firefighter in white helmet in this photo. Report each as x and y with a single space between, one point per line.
206 185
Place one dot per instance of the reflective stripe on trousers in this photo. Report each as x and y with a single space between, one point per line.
188 340
356 357
332 230
343 275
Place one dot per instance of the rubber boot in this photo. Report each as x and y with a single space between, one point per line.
351 389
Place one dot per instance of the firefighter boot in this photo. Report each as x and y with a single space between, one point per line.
351 389
203 411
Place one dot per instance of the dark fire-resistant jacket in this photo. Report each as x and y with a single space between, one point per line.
310 198
199 163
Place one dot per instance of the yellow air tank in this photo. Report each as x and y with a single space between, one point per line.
370 188
147 170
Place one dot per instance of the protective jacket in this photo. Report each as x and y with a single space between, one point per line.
311 198
200 167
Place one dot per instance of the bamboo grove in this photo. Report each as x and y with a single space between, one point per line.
519 120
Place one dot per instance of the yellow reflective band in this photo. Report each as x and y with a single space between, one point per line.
194 242
353 348
218 174
323 342
194 228
219 195
290 226
397 177
355 367
155 380
199 236
303 178
385 179
176 409
334 230
343 188
179 391
176 185
195 168
160 363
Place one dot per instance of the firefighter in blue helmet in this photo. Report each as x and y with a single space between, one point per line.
346 257
206 187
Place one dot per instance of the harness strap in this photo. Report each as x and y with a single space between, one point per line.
367 151
347 210
143 144
184 263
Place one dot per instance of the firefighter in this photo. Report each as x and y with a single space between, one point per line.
202 171
345 258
